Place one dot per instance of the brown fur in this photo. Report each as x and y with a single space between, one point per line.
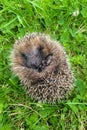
55 80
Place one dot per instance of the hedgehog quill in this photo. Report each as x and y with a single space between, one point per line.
43 67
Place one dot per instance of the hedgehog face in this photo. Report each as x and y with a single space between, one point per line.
33 56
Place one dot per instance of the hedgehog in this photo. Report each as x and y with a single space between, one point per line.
43 68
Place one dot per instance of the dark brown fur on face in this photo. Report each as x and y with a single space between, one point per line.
41 64
36 59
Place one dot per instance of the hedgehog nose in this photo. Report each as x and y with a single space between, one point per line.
34 64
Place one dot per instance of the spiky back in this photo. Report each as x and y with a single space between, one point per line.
55 81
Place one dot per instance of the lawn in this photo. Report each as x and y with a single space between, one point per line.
65 21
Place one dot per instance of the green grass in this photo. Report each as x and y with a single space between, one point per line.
63 20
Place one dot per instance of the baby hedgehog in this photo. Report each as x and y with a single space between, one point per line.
42 66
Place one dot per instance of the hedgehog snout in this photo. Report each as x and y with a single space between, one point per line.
34 63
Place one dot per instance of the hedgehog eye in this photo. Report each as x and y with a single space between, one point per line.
24 56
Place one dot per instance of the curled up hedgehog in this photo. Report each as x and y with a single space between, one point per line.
42 66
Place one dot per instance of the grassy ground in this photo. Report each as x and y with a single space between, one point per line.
63 20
